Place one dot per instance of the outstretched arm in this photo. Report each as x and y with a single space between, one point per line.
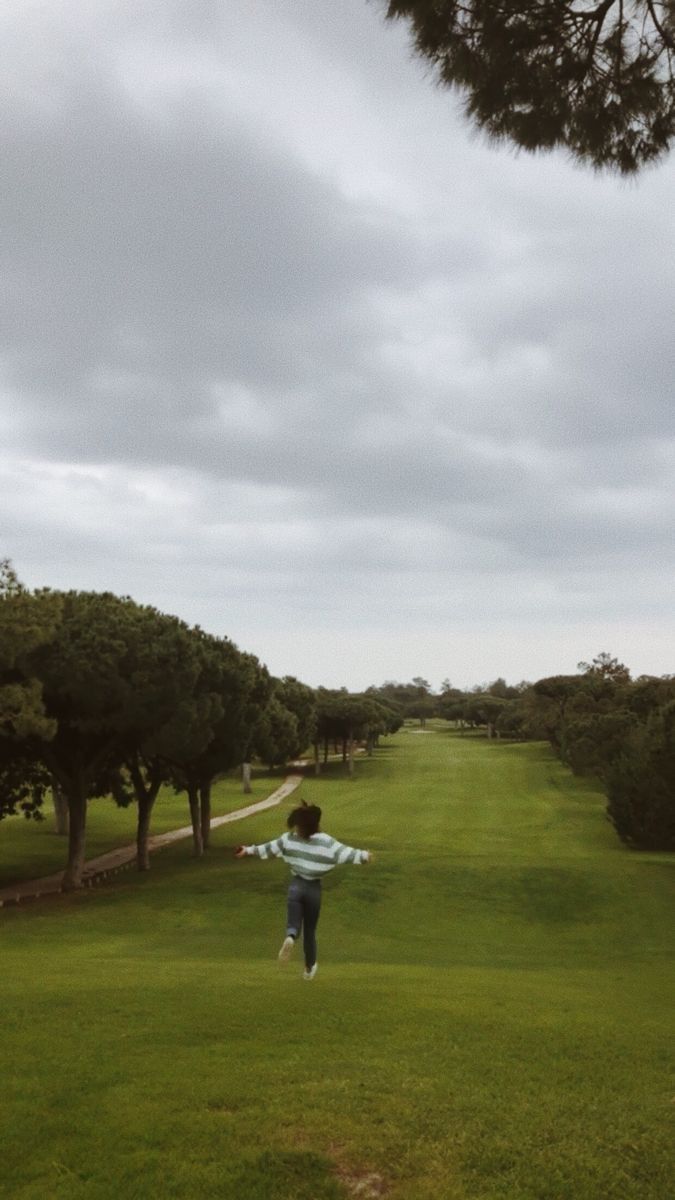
274 849
348 854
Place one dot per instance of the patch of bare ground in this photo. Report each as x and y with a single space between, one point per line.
368 1185
359 1181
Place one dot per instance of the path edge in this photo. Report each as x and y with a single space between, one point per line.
121 858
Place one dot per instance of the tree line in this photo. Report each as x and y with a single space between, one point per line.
101 696
600 722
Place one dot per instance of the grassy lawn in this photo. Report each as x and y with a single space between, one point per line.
31 849
491 1020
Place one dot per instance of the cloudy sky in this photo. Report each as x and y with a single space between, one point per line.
289 351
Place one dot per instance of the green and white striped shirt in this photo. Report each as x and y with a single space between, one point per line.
310 858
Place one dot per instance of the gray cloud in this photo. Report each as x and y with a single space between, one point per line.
271 319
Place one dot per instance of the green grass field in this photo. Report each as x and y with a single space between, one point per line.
492 1018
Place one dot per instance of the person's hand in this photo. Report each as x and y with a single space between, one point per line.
240 852
370 857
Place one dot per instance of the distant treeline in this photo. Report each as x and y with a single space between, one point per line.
600 722
100 695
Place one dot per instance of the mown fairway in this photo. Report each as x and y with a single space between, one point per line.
492 1016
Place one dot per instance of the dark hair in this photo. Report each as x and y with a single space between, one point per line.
305 819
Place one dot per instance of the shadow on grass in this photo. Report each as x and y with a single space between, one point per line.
276 1175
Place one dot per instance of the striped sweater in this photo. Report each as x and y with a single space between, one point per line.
310 858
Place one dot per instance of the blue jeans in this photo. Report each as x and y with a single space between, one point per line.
304 906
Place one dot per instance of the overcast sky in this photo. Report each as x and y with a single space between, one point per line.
289 351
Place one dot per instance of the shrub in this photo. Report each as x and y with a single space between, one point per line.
641 784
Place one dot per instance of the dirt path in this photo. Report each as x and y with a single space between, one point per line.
116 860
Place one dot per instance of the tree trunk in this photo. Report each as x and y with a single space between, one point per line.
317 764
369 745
344 749
205 812
246 777
145 804
77 823
60 810
193 798
146 787
350 745
489 729
325 750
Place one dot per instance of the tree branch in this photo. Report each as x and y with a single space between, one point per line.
668 38
595 14
599 14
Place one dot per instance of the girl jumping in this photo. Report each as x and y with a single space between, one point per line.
310 854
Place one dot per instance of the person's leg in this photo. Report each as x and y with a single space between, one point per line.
294 909
294 914
311 904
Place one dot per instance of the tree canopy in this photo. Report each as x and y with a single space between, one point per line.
26 624
228 705
595 78
97 692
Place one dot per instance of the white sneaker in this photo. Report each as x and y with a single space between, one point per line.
286 948
309 974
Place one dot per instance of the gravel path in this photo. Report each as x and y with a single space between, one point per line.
116 860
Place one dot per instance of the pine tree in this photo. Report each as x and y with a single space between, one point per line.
596 79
